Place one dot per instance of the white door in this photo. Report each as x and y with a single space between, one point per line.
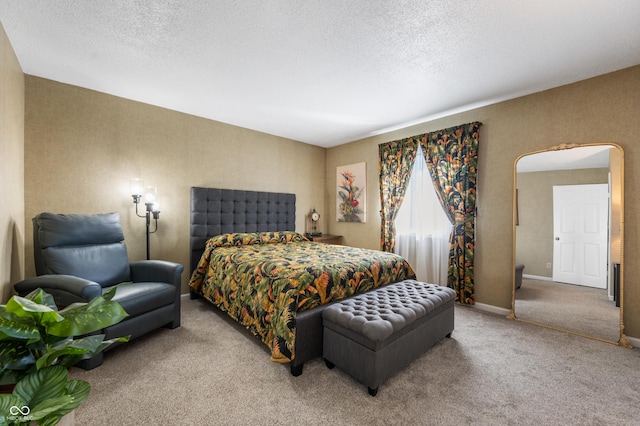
580 226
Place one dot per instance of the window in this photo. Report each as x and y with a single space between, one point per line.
422 228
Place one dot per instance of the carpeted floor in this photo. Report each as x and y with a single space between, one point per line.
493 371
576 308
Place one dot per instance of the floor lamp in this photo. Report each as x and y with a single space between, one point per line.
138 190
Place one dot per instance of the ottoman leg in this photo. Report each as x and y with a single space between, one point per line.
372 392
330 365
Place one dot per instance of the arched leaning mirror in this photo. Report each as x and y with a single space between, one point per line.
568 240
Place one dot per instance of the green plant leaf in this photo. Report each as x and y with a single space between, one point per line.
7 401
70 350
42 315
106 343
14 356
50 395
34 336
8 377
43 298
79 390
109 294
41 385
80 318
70 359
14 328
49 409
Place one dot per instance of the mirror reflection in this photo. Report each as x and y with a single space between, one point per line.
568 232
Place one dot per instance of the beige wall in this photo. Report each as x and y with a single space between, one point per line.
534 233
11 169
602 109
82 147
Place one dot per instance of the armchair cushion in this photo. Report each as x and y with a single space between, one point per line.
139 298
77 229
87 246
106 264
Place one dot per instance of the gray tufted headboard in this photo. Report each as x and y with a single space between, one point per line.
219 211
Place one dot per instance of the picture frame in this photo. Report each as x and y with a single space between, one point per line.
351 193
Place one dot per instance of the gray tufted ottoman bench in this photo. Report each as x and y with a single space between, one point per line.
375 334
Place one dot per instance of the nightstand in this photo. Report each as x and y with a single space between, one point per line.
326 238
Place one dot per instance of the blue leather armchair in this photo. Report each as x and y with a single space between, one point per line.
79 257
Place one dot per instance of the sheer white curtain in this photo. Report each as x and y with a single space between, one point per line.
422 228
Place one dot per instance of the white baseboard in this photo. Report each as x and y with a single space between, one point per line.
492 309
536 277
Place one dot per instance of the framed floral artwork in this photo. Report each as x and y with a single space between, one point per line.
351 193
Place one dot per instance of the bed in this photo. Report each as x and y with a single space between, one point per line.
247 260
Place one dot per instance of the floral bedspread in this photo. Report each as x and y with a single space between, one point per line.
263 279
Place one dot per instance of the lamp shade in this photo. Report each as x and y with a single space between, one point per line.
136 186
150 194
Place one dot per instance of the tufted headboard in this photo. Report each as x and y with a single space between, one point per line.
220 211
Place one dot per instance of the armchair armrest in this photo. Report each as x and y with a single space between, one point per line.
66 289
156 270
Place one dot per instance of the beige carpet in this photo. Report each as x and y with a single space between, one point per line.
492 371
577 308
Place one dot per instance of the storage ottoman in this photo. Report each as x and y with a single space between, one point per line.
374 335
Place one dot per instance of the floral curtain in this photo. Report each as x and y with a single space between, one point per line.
452 158
395 163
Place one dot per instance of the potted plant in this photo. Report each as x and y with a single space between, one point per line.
38 344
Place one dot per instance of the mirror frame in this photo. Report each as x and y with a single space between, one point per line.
623 340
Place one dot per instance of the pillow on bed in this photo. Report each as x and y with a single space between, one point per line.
234 239
281 237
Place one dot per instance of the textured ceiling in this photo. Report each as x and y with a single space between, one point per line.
322 72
